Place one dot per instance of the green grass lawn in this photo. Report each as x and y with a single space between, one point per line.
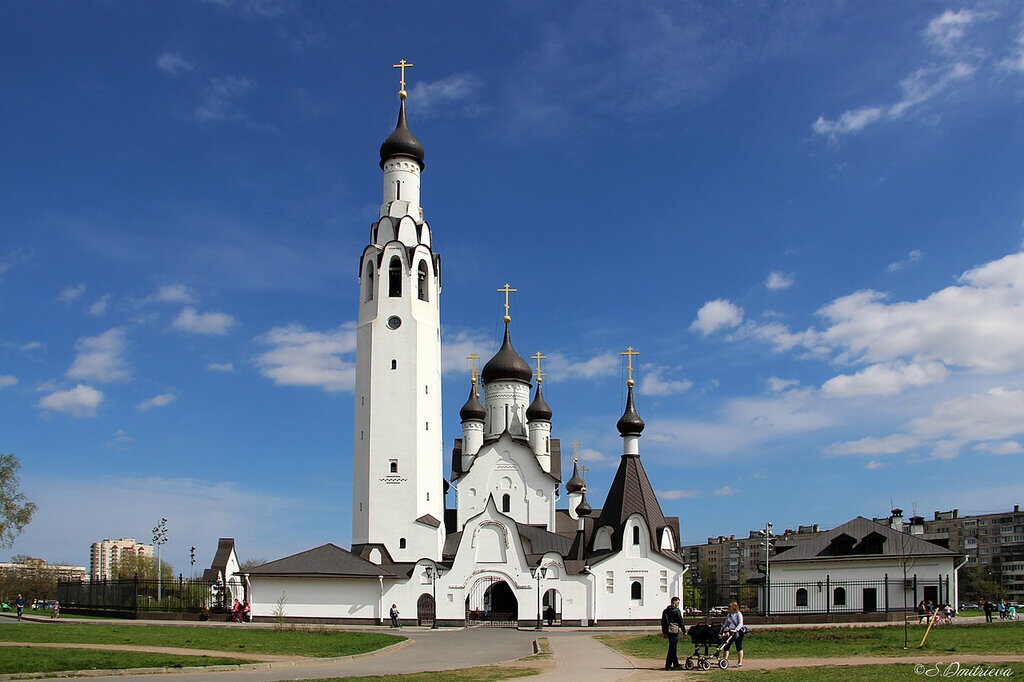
846 673
489 673
45 660
829 642
313 642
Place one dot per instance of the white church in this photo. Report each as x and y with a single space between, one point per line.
509 552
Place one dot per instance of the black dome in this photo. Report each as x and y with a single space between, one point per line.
583 509
630 423
506 364
574 484
472 410
538 409
401 142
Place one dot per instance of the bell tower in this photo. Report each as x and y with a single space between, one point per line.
397 492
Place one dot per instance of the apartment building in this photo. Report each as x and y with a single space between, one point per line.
106 554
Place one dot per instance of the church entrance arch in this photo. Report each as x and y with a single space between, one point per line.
552 607
492 602
425 610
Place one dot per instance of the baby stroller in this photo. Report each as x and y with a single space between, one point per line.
703 635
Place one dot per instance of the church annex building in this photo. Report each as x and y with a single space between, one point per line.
507 551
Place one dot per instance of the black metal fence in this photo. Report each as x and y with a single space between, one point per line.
137 594
824 596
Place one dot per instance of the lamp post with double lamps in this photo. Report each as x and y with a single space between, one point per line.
539 573
159 538
767 535
433 573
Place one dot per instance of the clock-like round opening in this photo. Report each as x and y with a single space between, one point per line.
394 322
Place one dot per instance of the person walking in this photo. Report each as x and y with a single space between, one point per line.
733 626
20 603
989 607
671 626
394 615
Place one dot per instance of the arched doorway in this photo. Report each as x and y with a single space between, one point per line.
425 610
492 602
552 607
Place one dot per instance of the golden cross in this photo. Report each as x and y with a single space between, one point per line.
629 353
575 453
507 290
539 374
472 357
583 474
402 64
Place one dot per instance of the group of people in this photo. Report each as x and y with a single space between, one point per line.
1002 607
241 612
943 614
19 605
672 626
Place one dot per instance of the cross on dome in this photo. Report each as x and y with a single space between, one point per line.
402 64
507 290
629 353
539 374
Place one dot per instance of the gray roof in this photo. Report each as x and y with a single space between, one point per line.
324 561
860 538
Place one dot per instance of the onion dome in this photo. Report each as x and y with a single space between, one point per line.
401 142
506 364
472 410
574 484
630 423
538 409
583 509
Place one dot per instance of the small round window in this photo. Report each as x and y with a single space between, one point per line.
394 322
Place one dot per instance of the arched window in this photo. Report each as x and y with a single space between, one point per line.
395 277
506 503
394 466
636 590
839 596
401 543
421 275
636 535
368 283
801 597
394 364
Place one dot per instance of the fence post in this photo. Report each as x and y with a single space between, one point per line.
887 593
135 594
828 593
181 583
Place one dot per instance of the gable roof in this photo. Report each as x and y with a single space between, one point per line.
865 538
324 561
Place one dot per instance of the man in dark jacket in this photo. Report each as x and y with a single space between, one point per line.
671 627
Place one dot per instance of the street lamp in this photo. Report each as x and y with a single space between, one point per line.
192 553
159 538
767 535
539 573
433 573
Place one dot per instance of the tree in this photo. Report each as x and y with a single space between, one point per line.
15 509
144 567
251 562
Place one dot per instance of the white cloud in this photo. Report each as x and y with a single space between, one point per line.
725 491
71 294
911 258
173 63
560 366
162 400
678 494
455 91
655 381
778 385
885 379
944 34
873 464
101 358
299 357
779 280
7 380
214 324
1015 61
457 346
99 306
226 367
715 315
121 440
171 293
220 99
80 401
1006 447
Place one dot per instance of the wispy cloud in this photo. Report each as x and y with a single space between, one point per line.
121 440
171 293
778 280
162 400
725 491
82 401
455 92
258 9
99 306
71 294
212 324
173 63
678 494
101 358
657 381
221 97
7 380
562 367
301 357
885 379
908 260
225 367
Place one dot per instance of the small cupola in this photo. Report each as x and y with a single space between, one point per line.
507 364
401 142
583 509
473 410
538 409
630 423
574 484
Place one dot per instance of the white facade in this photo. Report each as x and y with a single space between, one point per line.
105 555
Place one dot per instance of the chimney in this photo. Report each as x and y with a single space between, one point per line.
896 520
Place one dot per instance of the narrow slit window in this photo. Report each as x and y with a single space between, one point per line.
636 535
394 364
368 282
422 282
401 543
395 277
506 503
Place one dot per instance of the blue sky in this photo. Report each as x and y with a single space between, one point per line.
807 217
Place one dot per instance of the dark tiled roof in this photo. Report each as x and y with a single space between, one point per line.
325 560
860 538
538 540
429 520
631 493
224 548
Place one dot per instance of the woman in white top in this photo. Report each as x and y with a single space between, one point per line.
733 625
